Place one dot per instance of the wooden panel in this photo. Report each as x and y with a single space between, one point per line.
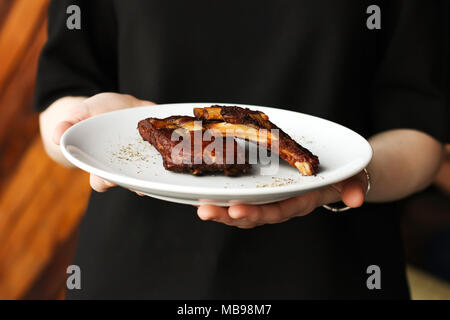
37 224
5 5
18 122
19 49
51 283
17 33
35 218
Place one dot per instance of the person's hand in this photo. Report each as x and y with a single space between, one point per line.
351 192
98 104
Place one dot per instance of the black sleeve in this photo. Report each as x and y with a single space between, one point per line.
78 62
411 88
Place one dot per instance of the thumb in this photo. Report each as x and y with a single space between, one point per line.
354 190
76 114
141 103
59 131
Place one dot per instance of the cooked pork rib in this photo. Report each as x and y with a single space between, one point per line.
246 124
161 133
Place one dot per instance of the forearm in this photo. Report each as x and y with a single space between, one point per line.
404 162
55 113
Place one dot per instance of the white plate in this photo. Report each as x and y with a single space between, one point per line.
110 146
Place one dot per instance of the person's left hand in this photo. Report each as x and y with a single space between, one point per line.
351 192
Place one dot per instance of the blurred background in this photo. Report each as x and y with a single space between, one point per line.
41 203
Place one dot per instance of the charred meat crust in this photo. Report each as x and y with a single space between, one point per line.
245 120
225 121
159 132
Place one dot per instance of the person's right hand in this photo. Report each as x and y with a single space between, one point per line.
95 105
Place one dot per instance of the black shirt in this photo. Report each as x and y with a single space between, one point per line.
316 57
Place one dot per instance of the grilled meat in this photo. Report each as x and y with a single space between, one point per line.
166 135
247 124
